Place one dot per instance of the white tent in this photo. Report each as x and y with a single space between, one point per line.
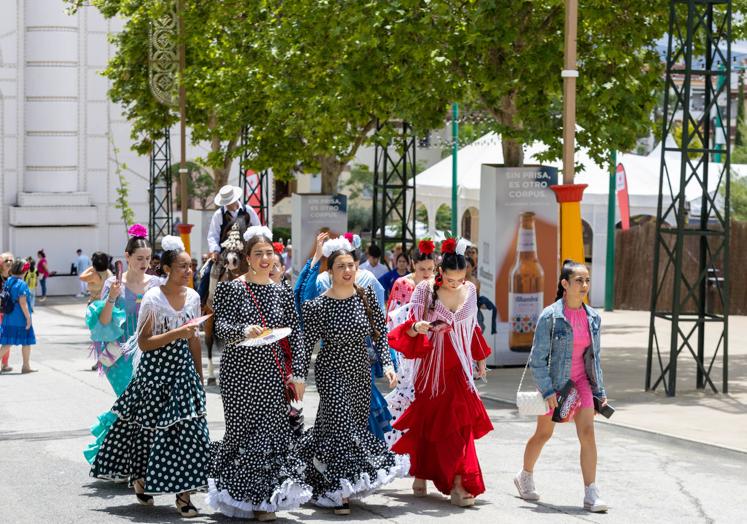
433 189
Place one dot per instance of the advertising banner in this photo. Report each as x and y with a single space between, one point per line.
518 255
311 213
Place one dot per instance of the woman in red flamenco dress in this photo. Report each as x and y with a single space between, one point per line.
447 416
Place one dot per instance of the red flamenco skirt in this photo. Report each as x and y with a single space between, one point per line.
440 433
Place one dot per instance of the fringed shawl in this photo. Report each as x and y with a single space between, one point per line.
463 323
156 309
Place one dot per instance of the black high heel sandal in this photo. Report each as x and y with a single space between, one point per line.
186 509
343 510
142 498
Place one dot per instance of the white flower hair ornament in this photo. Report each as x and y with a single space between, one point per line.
356 241
172 243
462 246
336 244
256 231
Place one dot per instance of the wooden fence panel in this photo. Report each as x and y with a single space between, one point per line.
634 261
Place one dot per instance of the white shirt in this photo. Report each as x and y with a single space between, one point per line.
379 270
213 237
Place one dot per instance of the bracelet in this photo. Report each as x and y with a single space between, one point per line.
110 301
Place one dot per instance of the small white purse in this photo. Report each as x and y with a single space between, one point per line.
531 403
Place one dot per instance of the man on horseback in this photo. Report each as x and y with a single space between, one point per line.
231 214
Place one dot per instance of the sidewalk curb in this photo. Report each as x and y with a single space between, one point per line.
668 437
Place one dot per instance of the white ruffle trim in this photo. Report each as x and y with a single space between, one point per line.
365 485
289 495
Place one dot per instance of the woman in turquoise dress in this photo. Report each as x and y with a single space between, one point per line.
311 283
113 321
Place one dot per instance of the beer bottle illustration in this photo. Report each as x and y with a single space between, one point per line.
525 287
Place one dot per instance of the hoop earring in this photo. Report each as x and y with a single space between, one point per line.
252 270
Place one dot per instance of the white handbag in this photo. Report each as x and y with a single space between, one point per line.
531 403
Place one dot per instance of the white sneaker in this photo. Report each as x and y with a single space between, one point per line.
524 482
592 501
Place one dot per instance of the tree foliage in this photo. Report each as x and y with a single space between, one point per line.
313 78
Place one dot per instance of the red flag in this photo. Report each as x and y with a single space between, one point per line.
253 192
623 198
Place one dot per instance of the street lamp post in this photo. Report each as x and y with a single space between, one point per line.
184 227
568 194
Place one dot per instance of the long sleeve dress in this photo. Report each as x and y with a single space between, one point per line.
108 342
343 458
160 434
311 284
447 416
254 467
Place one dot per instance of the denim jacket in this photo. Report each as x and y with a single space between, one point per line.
560 339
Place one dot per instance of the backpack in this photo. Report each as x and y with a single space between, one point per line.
6 300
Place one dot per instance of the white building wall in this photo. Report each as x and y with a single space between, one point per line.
58 131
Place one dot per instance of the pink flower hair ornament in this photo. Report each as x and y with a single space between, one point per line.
137 230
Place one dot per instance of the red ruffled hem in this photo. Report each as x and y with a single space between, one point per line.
439 435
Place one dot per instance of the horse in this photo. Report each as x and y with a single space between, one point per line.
230 265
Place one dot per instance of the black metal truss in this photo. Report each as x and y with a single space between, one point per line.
258 193
394 190
699 53
160 216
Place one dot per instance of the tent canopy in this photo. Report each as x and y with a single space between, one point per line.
642 171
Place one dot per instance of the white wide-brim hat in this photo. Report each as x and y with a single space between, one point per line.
227 195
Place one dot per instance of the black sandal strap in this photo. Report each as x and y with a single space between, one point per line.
187 505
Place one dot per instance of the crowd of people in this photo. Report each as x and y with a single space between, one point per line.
415 325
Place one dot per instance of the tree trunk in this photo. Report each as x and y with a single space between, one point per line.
330 168
513 153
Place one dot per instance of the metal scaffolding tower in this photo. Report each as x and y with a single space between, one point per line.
394 190
699 54
256 186
160 221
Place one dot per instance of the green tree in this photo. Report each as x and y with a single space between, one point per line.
123 191
738 198
337 69
510 55
210 119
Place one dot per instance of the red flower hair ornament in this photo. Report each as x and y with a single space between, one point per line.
278 247
426 246
448 246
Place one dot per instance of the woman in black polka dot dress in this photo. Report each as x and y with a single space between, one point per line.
160 440
253 471
344 459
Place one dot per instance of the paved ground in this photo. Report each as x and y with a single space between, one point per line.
43 477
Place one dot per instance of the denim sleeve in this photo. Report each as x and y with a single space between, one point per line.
539 360
601 392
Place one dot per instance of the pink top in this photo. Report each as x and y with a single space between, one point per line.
581 338
41 268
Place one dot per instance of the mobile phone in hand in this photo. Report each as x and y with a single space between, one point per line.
606 411
118 269
439 326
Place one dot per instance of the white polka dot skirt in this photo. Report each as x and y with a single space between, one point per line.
161 434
